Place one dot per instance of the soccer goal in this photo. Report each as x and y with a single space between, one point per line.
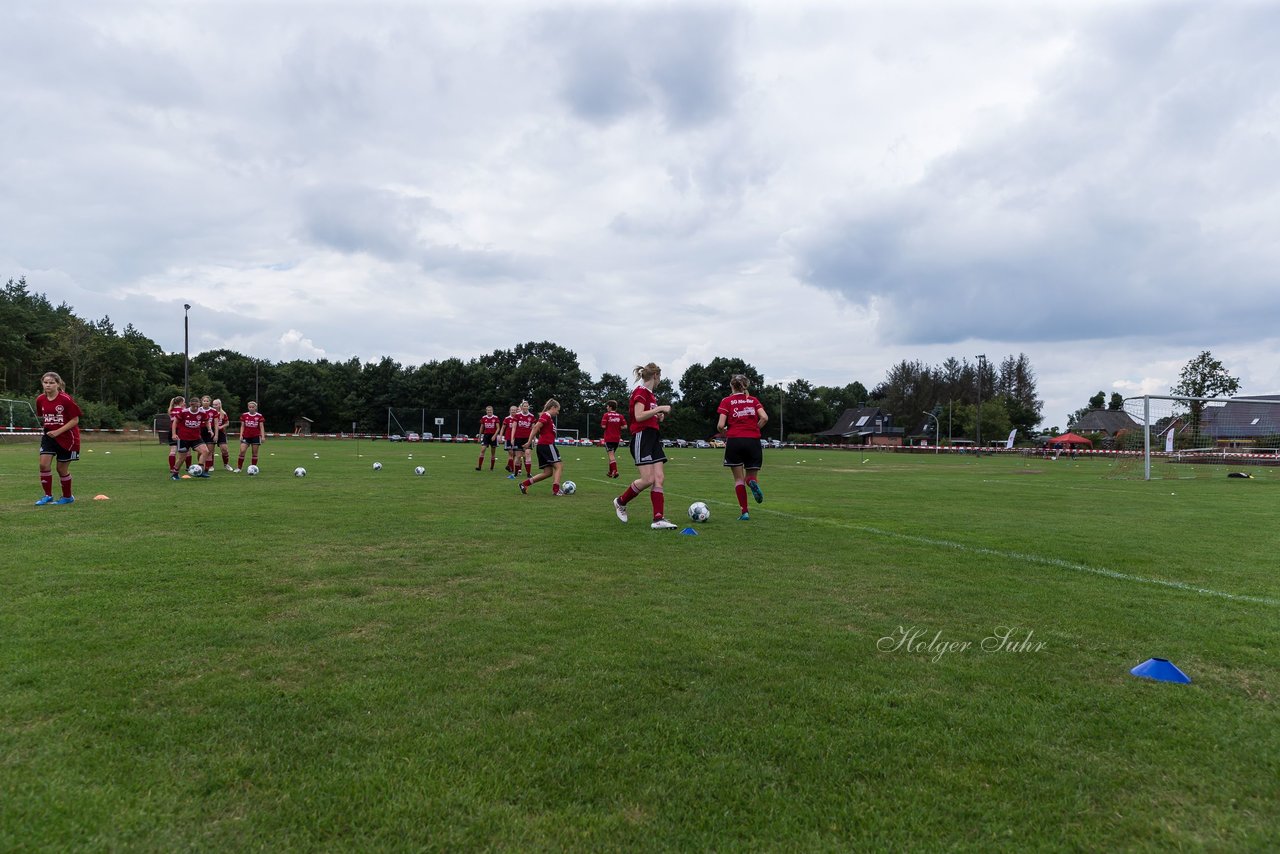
19 418
1177 438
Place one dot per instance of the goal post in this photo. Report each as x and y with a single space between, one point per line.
1186 437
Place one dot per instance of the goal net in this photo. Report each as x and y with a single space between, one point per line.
1177 438
18 418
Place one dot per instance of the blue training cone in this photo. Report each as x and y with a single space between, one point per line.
690 532
1161 670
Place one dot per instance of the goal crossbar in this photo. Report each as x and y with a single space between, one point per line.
1173 426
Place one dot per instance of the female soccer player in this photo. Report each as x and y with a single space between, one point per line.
218 420
207 427
488 438
176 405
543 433
508 440
741 417
60 420
643 415
251 430
190 439
612 422
521 426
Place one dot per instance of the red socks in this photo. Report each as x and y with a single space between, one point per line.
657 498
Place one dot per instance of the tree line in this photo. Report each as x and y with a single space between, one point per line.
122 376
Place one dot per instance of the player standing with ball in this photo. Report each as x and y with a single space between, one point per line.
643 416
251 426
741 419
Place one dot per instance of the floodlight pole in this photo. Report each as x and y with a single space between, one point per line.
937 431
186 352
982 361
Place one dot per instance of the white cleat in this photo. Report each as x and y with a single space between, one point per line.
620 510
663 525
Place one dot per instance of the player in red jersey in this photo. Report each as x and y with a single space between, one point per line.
543 434
741 418
521 426
508 425
488 438
612 422
218 420
190 421
643 416
176 405
207 419
251 433
60 420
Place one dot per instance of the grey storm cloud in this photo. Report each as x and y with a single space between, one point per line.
1129 200
676 60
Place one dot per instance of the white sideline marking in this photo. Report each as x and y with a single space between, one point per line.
1018 556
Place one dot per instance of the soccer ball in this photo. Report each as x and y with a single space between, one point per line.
299 472
419 470
699 512
568 487
377 466
195 470
252 470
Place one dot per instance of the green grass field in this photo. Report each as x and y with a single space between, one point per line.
363 661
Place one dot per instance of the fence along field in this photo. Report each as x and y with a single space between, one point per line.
365 658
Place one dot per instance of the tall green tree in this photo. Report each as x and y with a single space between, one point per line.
703 387
1203 376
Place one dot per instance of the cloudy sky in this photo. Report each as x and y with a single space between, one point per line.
820 188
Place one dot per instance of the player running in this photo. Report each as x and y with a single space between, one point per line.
543 434
488 438
251 433
60 420
741 419
643 416
612 422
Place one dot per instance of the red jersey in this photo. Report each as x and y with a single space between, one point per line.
742 414
612 423
647 400
547 432
251 425
206 417
488 425
524 424
189 422
57 412
174 414
223 418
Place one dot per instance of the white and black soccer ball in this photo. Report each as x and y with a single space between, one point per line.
419 471
195 470
252 470
299 472
568 487
377 466
699 511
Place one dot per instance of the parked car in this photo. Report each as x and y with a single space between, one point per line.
563 440
462 437
446 437
682 443
717 443
585 442
667 443
775 443
428 437
702 443
396 437
412 437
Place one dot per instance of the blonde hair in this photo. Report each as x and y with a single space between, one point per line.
738 383
644 373
550 403
61 385
174 401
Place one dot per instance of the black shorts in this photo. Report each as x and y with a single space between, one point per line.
548 455
205 436
646 448
250 440
520 444
222 438
186 446
611 446
489 440
743 452
49 447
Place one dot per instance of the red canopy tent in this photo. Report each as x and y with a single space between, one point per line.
1069 439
